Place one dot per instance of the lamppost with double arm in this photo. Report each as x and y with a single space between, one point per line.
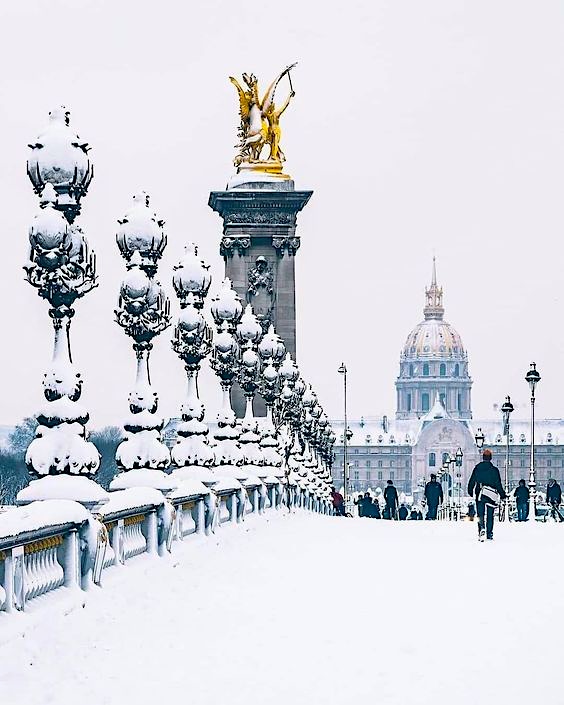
533 378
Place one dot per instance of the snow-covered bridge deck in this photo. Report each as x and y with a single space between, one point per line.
310 610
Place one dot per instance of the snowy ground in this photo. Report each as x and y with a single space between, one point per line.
255 616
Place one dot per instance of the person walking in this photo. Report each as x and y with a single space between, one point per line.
434 496
522 496
338 502
485 485
392 500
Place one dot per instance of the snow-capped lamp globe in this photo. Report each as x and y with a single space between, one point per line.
289 370
61 460
144 313
141 231
60 158
272 347
191 278
226 307
192 456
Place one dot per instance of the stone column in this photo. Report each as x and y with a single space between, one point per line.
259 244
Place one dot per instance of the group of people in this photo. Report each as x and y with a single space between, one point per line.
484 486
371 508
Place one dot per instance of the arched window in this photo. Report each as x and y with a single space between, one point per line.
425 401
411 370
425 369
446 456
432 460
456 370
408 402
442 370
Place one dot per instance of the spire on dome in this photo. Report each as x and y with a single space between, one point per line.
434 297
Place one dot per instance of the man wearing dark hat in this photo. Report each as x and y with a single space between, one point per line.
485 477
434 496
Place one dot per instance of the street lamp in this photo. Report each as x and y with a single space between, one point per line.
458 462
347 434
444 483
533 378
506 410
479 438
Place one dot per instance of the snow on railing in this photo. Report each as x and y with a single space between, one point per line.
53 544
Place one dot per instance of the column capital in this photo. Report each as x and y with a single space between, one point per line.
289 244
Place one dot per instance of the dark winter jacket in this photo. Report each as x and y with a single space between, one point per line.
522 494
365 505
391 496
434 493
375 510
485 473
403 512
554 494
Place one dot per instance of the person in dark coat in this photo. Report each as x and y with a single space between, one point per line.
338 502
373 509
434 496
366 504
553 493
471 511
403 512
413 515
522 498
392 500
359 501
485 474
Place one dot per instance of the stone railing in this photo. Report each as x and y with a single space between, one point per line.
53 544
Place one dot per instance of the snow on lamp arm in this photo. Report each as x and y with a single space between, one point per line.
192 342
143 312
63 269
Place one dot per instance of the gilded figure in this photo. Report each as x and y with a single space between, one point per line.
260 122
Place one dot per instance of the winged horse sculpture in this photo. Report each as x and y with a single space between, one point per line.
260 120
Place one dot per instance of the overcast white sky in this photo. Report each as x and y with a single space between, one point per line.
422 127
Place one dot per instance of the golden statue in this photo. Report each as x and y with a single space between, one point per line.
260 125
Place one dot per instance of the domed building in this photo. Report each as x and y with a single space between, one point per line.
434 422
433 364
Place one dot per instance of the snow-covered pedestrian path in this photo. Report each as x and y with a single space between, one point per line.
309 609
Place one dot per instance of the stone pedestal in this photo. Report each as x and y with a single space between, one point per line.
258 246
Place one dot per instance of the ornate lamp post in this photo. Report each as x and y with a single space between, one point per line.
226 310
506 410
479 438
63 269
192 342
272 351
143 312
343 371
249 333
533 378
457 460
